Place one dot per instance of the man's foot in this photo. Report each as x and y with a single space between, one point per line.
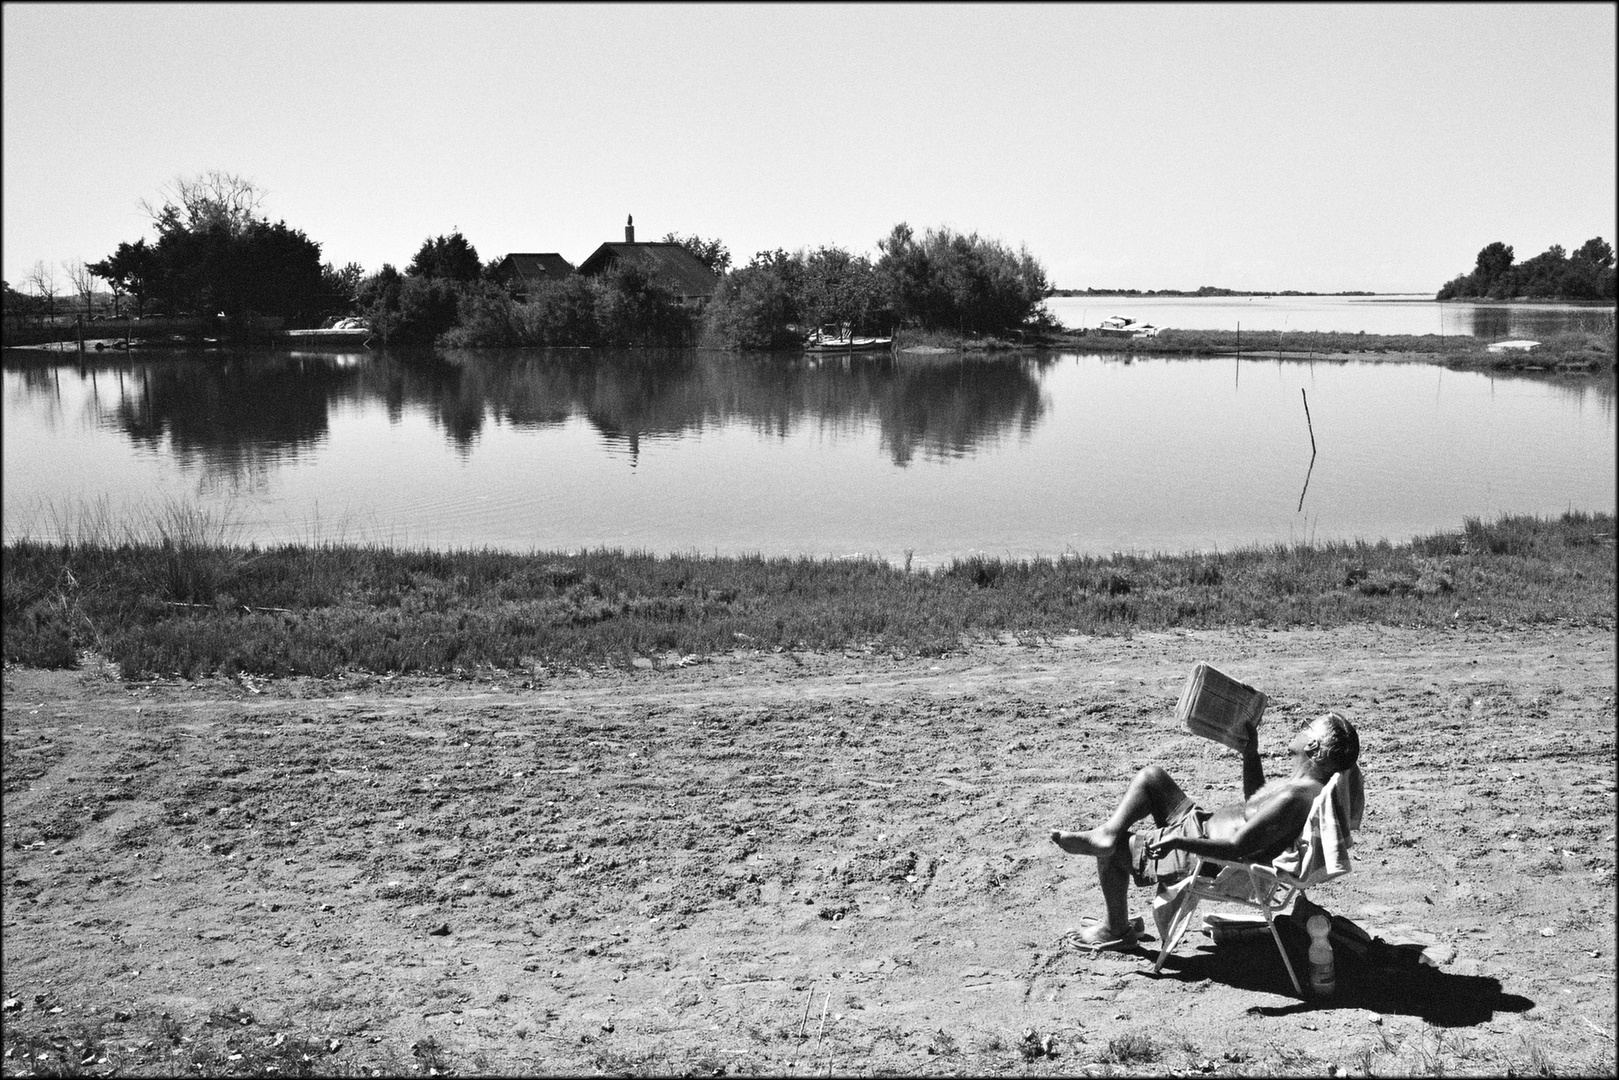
1091 842
1097 934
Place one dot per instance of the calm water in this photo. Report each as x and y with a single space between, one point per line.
781 455
1375 315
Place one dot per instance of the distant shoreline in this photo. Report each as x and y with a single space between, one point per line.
1207 293
1404 298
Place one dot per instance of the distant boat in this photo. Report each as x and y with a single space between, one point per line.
350 331
1119 326
831 339
1514 346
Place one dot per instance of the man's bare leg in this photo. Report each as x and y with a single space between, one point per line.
1151 792
1113 873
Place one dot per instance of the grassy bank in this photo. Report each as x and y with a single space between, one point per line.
1577 351
189 604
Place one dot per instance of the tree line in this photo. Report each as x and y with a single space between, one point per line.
214 253
1587 274
944 280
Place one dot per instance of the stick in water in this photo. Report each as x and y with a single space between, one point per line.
1306 398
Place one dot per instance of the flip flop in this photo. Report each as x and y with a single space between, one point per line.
1091 934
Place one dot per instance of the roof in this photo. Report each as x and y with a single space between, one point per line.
668 264
535 267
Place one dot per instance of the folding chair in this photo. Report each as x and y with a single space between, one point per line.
1321 854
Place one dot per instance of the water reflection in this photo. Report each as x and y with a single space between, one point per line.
229 414
1495 321
234 413
934 407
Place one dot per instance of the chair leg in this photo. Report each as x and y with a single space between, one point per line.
1177 929
1291 974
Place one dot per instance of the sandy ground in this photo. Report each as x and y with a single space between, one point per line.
793 863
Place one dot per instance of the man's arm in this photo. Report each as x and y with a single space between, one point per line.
1279 821
1253 770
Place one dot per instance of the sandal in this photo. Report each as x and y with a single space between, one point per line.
1092 934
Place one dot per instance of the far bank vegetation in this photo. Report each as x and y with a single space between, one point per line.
944 280
1554 274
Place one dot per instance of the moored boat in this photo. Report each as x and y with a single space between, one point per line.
1119 326
832 339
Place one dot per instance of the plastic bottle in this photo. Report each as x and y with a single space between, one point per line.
1323 979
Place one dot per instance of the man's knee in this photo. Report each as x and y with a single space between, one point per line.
1154 776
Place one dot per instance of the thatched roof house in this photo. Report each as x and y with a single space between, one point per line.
670 265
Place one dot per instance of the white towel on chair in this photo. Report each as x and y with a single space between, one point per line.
1322 850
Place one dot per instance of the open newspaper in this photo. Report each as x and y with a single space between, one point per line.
1218 707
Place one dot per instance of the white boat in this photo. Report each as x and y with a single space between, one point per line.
1119 326
1516 345
832 339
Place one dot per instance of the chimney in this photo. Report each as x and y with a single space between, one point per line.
629 230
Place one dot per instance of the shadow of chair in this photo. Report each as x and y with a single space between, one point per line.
1398 982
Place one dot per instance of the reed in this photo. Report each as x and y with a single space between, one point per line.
169 603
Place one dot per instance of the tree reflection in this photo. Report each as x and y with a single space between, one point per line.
945 408
1491 322
232 414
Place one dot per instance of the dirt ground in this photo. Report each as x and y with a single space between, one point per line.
797 863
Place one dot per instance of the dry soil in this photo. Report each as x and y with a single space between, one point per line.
795 863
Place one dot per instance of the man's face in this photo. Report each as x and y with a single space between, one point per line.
1313 732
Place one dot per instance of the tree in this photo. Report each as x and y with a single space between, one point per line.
82 280
341 286
1597 252
838 287
214 255
42 279
264 268
19 307
752 308
128 271
210 200
448 257
1587 274
1493 261
958 281
633 309
713 253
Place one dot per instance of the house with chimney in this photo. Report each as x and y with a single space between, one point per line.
670 265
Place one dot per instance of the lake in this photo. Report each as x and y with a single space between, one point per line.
936 457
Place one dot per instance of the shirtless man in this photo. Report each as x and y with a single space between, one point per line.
1264 825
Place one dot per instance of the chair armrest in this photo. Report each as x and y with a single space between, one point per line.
1260 870
1262 880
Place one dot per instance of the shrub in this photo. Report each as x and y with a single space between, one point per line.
950 280
633 309
752 309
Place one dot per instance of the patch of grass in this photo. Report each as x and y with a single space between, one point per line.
1132 1049
226 1043
192 607
1579 350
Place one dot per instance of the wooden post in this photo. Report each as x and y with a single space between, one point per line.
1306 398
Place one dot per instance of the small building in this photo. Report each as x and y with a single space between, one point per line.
670 265
521 271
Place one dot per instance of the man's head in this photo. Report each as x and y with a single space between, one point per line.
1330 741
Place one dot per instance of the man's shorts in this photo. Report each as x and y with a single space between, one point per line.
1188 819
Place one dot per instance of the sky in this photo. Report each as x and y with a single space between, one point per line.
1311 147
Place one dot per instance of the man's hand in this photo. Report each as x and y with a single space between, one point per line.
1157 849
